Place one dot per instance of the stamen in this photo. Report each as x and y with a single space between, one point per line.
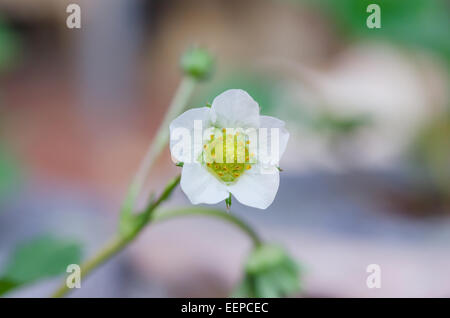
233 148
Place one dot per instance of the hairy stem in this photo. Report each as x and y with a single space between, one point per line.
209 212
178 104
120 242
157 145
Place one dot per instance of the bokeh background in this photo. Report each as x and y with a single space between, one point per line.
366 175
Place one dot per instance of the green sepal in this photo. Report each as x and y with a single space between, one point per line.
269 272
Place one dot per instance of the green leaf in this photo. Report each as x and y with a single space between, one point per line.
7 285
40 258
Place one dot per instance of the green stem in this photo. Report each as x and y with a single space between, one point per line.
178 104
120 242
179 101
202 211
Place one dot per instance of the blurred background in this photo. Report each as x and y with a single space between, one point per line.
366 174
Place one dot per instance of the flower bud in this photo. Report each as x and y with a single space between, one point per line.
197 63
269 272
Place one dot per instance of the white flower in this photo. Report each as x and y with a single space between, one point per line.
253 181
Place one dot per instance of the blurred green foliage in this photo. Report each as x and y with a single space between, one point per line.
261 88
412 23
269 272
9 173
432 153
339 125
9 46
40 258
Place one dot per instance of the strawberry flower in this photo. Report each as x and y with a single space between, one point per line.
229 148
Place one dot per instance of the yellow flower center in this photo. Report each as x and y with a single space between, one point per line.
227 156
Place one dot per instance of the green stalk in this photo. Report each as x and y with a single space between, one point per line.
209 212
178 104
196 65
120 242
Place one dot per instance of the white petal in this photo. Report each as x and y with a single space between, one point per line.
185 123
272 122
200 186
235 108
256 189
